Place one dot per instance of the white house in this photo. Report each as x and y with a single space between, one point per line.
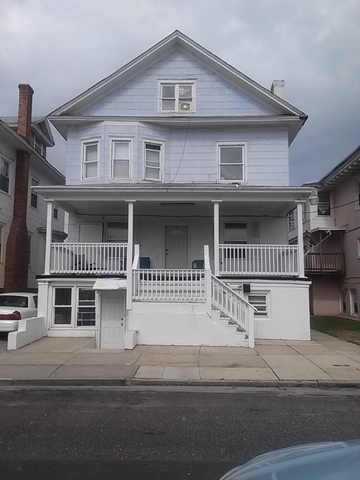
23 144
177 186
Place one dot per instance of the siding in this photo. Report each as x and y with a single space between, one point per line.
190 156
214 95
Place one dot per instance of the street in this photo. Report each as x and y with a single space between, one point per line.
161 432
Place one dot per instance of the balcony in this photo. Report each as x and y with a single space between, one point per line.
324 263
259 260
88 258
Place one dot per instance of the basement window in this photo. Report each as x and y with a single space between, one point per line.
260 302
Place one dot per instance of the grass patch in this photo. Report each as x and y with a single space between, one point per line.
344 328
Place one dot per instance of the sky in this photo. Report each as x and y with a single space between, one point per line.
62 47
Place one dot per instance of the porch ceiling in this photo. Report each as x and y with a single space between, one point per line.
170 200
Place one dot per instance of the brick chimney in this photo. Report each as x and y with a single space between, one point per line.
17 249
25 109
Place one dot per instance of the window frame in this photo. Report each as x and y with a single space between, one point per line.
130 160
84 145
161 161
177 84
74 306
243 147
33 195
4 160
260 315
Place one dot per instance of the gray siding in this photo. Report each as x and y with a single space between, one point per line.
190 156
214 95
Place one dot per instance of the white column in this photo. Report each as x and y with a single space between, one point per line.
300 238
207 280
216 237
129 255
49 216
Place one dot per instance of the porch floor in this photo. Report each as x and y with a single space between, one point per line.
323 360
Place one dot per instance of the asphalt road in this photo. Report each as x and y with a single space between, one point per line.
161 433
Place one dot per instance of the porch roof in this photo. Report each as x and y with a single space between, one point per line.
102 199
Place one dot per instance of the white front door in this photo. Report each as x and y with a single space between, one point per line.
112 319
176 245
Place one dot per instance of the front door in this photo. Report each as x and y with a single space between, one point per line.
176 245
112 319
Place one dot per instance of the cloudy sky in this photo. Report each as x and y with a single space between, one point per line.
62 47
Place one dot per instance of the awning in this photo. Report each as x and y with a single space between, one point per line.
110 284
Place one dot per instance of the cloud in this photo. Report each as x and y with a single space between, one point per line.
62 47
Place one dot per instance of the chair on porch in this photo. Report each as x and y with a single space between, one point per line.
198 265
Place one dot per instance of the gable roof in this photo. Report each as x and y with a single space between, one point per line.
8 135
40 125
343 170
177 40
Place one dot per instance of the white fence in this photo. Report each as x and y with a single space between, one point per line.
233 306
169 285
258 260
88 258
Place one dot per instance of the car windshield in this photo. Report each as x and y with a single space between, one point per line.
13 301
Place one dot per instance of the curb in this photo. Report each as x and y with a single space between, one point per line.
133 382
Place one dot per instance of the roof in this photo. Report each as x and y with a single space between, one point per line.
37 160
342 171
40 125
177 40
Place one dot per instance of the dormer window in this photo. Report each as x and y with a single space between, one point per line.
177 97
39 145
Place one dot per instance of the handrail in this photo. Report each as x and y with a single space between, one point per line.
231 304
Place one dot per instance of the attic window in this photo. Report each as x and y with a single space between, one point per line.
177 97
39 146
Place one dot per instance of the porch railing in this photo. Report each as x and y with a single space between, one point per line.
258 260
233 306
169 285
324 262
90 258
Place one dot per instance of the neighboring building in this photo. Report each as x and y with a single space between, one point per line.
23 146
332 240
174 152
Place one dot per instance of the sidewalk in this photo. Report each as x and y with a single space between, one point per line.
323 361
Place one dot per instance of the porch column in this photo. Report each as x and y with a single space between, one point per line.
300 237
216 237
48 238
129 255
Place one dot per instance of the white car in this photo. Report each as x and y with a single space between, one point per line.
14 306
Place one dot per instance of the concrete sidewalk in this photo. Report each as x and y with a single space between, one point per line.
322 361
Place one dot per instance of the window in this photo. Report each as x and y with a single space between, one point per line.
353 302
260 302
120 159
33 195
55 213
5 175
177 97
291 220
62 306
324 207
1 242
117 232
231 163
29 249
39 146
90 160
153 162
86 308
84 315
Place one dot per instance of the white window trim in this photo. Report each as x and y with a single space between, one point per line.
267 296
2 242
84 143
162 152
10 163
233 144
33 193
124 140
177 82
74 306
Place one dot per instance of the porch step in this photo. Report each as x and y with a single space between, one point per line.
231 323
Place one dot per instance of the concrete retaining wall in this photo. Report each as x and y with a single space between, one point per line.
29 330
